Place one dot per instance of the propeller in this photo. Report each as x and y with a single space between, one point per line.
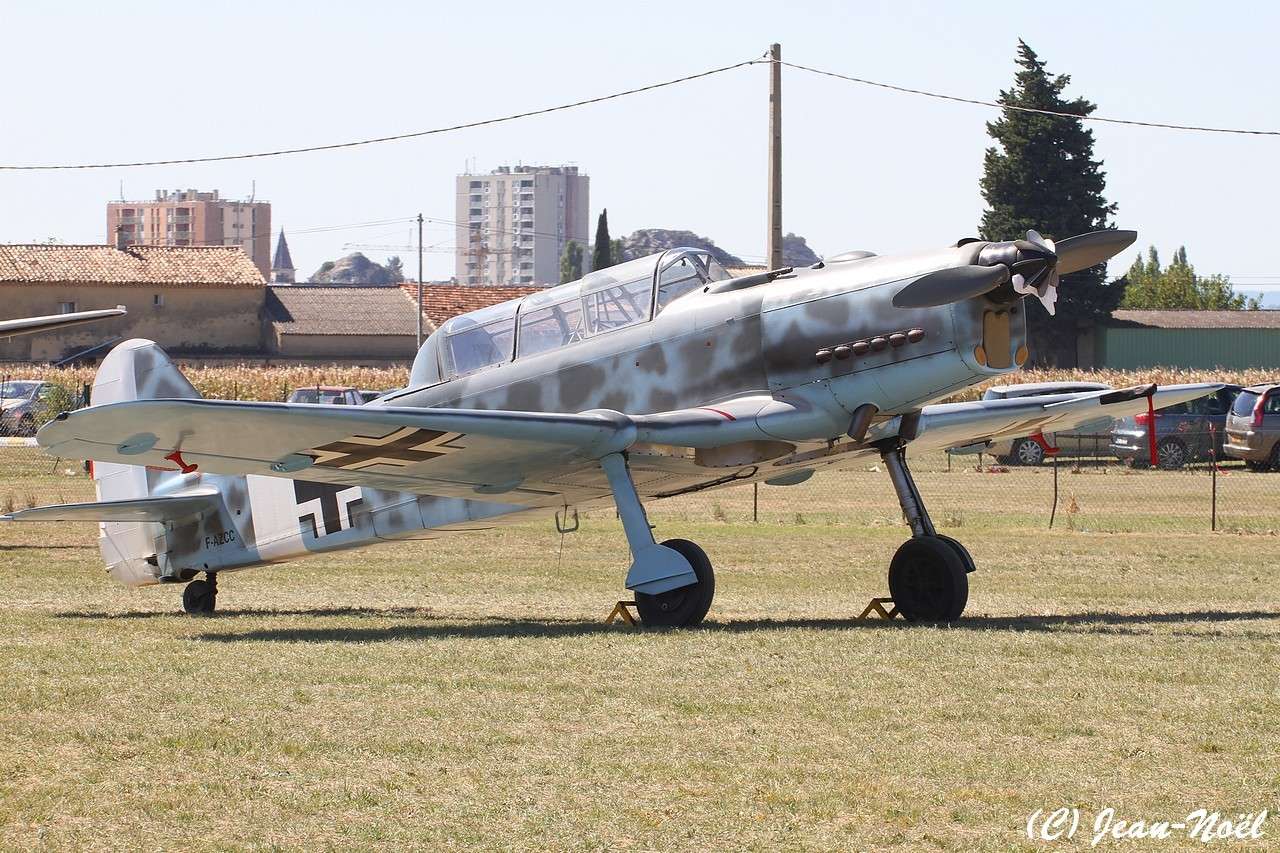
1086 250
950 285
1031 267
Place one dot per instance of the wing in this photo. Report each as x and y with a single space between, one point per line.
163 508
520 456
956 424
30 325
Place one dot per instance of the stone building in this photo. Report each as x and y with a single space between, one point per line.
192 300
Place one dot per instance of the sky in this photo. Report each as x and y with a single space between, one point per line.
863 168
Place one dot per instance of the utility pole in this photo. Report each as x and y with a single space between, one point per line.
419 281
775 157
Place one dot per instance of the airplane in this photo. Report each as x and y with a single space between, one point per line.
657 377
31 325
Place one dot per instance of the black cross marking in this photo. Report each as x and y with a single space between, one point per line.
330 513
400 448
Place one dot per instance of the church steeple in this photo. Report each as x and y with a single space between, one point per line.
282 265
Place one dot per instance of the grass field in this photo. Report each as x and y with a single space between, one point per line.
464 693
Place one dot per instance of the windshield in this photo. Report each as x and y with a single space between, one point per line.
25 390
1244 403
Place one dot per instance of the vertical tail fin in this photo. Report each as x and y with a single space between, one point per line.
136 370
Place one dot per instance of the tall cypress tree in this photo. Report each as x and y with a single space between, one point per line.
603 256
1041 175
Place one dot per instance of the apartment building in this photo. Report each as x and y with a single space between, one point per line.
192 218
514 223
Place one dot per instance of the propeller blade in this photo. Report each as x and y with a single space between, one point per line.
950 285
1086 250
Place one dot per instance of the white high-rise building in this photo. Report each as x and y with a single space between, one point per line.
514 223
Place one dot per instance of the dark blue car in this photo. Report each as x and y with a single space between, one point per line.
1187 432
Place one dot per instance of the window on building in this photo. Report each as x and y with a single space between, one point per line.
476 211
157 300
475 199
66 307
475 185
526 211
526 183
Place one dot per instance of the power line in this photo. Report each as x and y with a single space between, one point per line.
1001 106
395 138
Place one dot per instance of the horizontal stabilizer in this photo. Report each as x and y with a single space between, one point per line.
160 509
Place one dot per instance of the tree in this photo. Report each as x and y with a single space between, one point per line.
395 269
1177 286
1041 175
604 246
571 262
618 250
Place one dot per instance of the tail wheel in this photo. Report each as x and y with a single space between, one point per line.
927 580
1171 453
687 606
199 598
1026 452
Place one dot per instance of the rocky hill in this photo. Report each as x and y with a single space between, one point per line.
355 269
647 241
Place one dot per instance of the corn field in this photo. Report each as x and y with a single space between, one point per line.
258 382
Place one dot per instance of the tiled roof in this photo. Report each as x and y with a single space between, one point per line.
1266 319
306 309
227 266
442 301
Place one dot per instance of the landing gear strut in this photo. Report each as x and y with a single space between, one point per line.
673 582
928 576
199 598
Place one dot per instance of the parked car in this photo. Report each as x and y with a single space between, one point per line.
1089 439
1253 427
333 395
1188 432
368 395
23 405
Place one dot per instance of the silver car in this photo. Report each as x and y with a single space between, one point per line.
22 405
1089 439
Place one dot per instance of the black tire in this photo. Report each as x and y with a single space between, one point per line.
927 580
199 598
1027 452
1273 462
1172 454
963 552
687 606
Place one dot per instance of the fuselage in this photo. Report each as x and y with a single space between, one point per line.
820 342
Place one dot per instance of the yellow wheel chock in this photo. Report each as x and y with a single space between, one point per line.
877 607
621 611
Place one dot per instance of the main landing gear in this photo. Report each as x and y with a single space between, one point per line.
673 582
199 598
929 573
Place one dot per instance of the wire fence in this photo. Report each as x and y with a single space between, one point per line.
1090 494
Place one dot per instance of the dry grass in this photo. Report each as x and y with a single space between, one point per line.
463 693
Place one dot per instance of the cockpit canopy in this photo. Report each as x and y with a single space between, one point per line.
600 302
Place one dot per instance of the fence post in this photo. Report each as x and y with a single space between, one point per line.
1213 468
755 503
1053 511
